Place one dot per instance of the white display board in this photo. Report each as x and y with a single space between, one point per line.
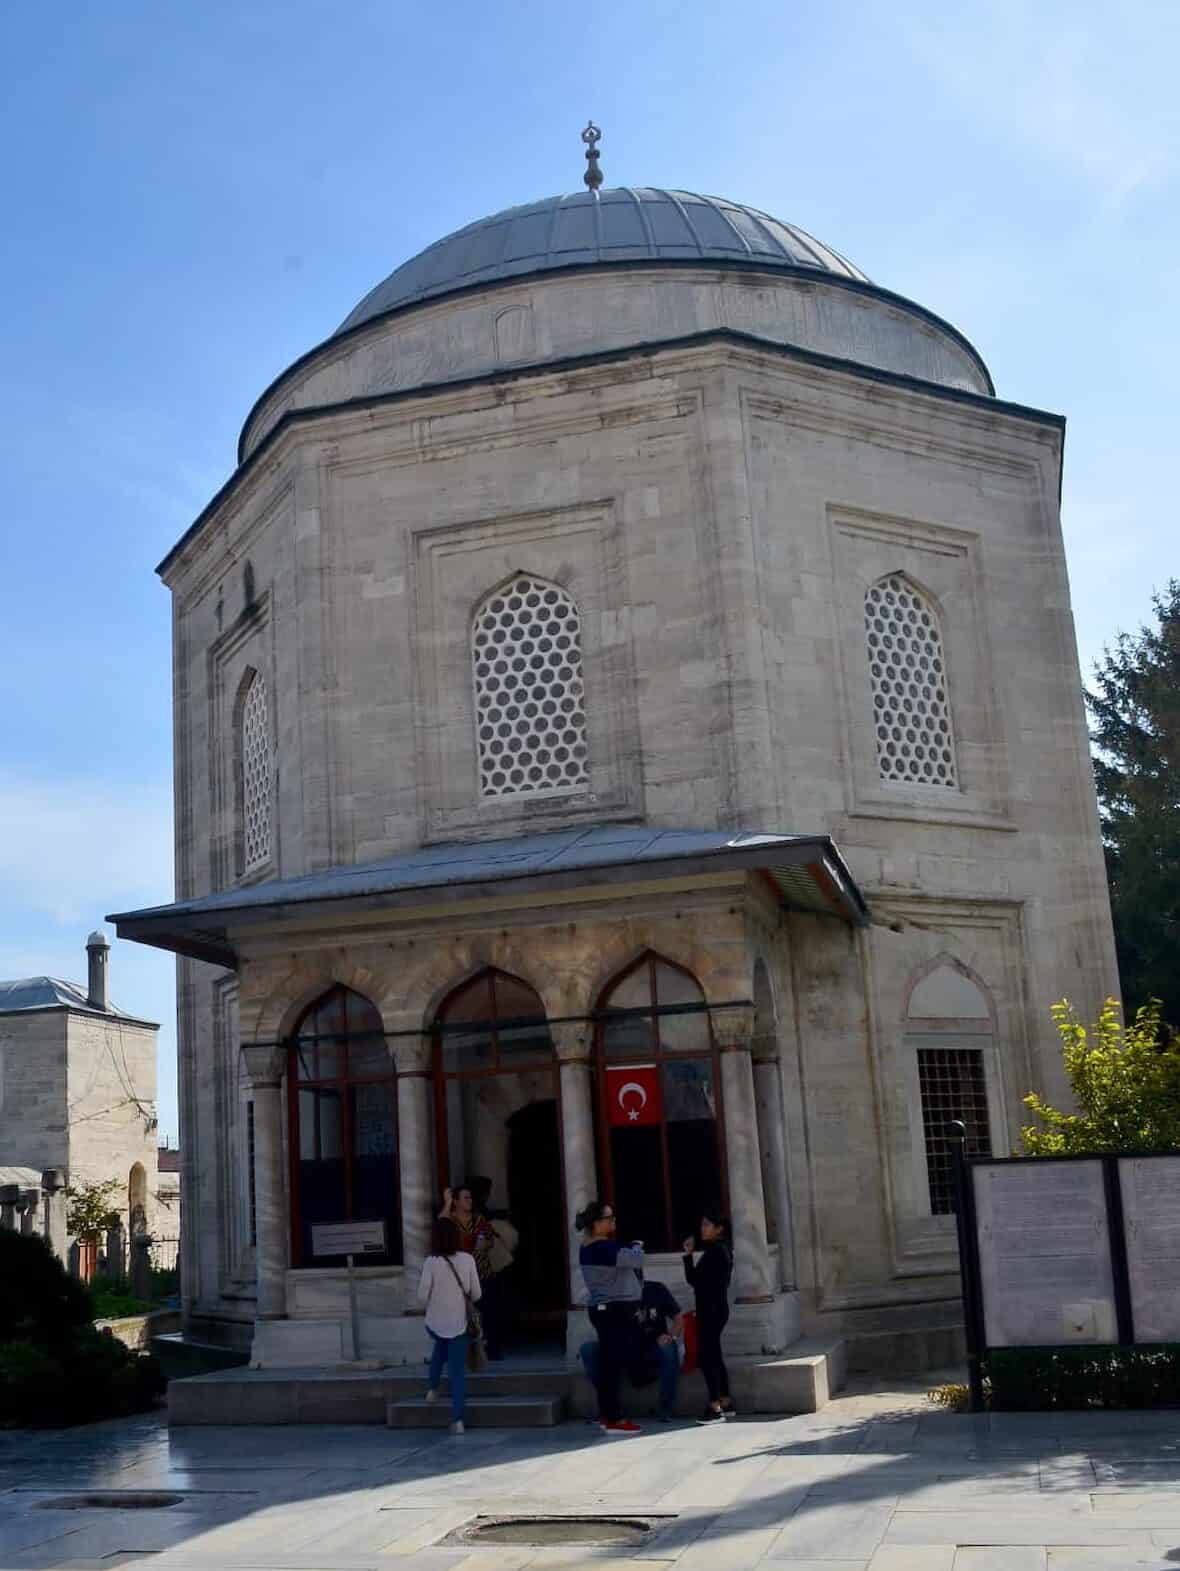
1044 1253
1151 1218
348 1238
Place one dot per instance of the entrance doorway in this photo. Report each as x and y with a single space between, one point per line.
497 1127
536 1208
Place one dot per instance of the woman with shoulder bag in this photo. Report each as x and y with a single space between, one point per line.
449 1290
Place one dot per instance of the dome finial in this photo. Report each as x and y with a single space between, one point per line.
593 175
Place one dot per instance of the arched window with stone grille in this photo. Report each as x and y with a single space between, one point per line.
530 716
257 763
907 672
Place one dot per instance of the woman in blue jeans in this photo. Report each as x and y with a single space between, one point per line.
449 1284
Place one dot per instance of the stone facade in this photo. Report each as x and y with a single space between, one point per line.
718 497
79 1092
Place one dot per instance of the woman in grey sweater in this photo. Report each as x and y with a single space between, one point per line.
613 1273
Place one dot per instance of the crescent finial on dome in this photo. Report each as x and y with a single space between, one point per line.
593 176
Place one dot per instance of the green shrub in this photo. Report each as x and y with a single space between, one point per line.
1040 1379
110 1304
93 1376
55 1366
109 1379
32 1384
165 1283
39 1301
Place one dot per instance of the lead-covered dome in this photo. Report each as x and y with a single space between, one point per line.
555 281
623 224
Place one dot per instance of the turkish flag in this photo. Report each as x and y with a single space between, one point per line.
633 1095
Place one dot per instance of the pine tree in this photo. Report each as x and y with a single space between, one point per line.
1136 712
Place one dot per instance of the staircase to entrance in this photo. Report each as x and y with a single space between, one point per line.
529 1390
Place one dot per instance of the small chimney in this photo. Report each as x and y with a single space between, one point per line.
97 984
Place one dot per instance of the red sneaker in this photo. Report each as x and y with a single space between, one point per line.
624 1426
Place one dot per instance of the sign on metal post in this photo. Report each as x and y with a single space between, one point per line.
348 1238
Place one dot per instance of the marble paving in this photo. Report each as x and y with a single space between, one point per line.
879 1481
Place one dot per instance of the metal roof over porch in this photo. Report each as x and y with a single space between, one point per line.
807 872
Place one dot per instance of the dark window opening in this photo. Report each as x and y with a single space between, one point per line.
343 1115
665 1166
953 1086
250 1189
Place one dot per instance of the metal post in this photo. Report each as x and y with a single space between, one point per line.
971 1317
353 1311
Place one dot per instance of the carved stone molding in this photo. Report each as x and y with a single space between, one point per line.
264 1064
573 1041
733 1028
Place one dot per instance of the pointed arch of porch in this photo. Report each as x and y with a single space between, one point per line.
723 978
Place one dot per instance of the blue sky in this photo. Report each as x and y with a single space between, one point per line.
195 193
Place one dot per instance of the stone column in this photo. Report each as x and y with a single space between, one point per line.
53 1189
265 1065
27 1209
733 1030
768 1097
572 1039
414 1156
9 1195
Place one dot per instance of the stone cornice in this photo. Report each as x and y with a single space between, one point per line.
558 374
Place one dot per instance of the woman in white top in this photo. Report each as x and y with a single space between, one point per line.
449 1282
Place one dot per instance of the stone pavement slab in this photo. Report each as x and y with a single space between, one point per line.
879 1481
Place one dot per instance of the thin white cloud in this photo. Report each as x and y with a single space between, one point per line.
72 849
1043 81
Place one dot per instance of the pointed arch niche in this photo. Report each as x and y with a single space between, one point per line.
950 1043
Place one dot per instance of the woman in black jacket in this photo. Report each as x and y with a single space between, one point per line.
708 1266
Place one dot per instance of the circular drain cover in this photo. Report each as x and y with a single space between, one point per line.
116 1500
547 1530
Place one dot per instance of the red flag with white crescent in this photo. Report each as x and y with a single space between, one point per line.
633 1095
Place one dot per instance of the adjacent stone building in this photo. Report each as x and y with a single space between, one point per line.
629 738
78 1086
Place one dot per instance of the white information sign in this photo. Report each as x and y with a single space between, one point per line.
1044 1253
348 1238
1151 1218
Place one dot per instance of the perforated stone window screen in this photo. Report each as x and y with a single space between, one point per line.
911 712
526 648
257 774
953 1086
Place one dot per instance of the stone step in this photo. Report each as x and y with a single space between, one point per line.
483 1412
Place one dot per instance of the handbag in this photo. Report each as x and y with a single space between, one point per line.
476 1355
690 1360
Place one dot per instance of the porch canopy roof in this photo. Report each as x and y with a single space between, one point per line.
806 871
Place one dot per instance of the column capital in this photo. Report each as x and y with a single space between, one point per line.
573 1041
412 1055
733 1028
264 1063
765 1048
